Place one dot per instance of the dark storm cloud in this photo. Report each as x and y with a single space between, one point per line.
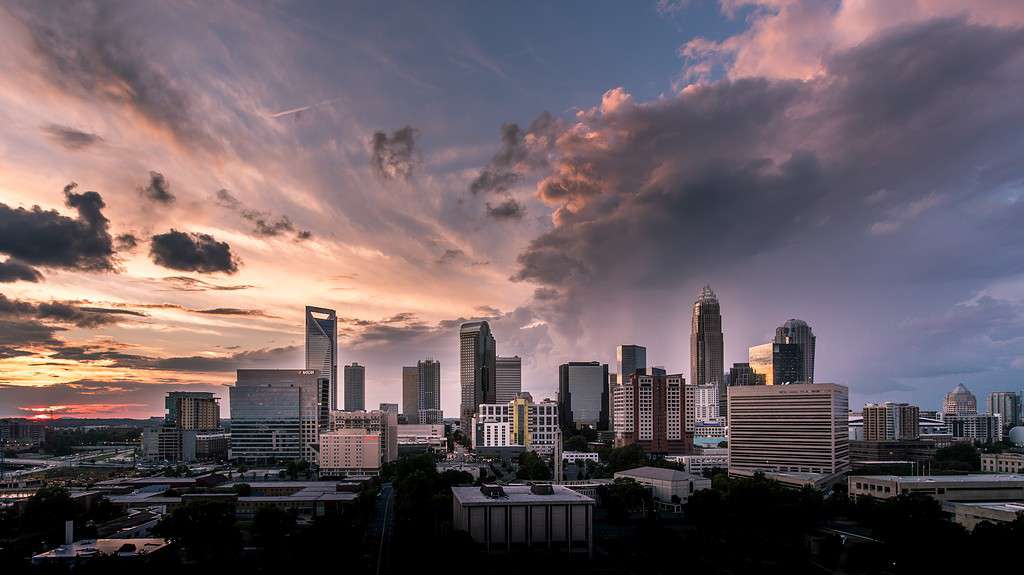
192 252
728 171
63 312
266 224
126 242
70 138
509 209
158 189
227 311
520 152
394 156
12 271
85 51
46 238
185 283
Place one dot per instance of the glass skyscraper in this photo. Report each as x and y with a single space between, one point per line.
707 355
583 394
276 414
796 331
508 378
477 355
322 347
355 387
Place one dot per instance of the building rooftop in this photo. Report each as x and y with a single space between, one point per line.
1006 506
926 479
93 547
523 494
656 473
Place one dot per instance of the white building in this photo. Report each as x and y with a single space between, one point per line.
666 483
429 435
383 423
1002 462
712 428
698 464
349 452
975 428
705 402
518 423
577 456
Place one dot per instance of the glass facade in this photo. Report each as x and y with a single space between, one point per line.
322 347
583 394
276 414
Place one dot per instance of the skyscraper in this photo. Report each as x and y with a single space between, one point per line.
198 410
659 414
277 414
583 395
628 359
707 356
476 368
891 421
428 382
760 359
508 376
1005 404
411 393
960 401
744 374
787 364
322 347
796 331
355 387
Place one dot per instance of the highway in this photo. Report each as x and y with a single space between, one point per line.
382 527
87 459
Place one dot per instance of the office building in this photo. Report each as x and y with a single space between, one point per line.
518 423
355 387
919 451
349 452
971 514
797 332
628 359
960 401
504 518
322 348
977 428
583 395
22 433
508 378
789 428
389 408
705 403
1006 405
787 363
666 483
477 359
744 374
659 413
943 488
707 356
1002 462
890 421
421 438
421 392
277 414
761 360
381 423
411 394
192 410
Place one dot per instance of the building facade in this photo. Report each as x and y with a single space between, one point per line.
518 423
705 403
960 401
761 361
276 414
977 428
660 423
797 332
1002 462
583 395
322 348
191 430
789 428
1006 405
787 363
628 359
477 357
349 452
891 421
707 355
192 410
381 423
355 387
508 378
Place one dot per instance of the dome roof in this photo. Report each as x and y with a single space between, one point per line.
961 390
794 323
1017 435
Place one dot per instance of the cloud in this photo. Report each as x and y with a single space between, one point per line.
63 312
48 239
71 138
509 209
266 224
521 151
450 256
12 271
126 242
210 311
394 156
158 189
185 283
192 252
86 52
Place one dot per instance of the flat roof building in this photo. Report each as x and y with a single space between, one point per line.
666 483
276 414
972 487
350 451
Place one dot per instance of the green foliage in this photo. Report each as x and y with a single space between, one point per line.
575 443
296 468
623 496
959 457
531 466
622 458
206 529
243 490
272 526
63 441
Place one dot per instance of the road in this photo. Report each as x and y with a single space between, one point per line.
77 460
382 527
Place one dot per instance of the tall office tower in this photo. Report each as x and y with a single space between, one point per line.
583 395
411 393
760 358
628 359
960 401
798 332
744 374
659 414
1005 404
705 403
428 382
707 355
891 421
198 410
787 364
322 347
476 368
794 428
276 414
508 378
355 387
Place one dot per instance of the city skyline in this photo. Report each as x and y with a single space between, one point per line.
229 174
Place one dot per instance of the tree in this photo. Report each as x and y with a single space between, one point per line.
296 468
628 457
206 529
243 489
622 496
957 457
531 466
575 443
271 527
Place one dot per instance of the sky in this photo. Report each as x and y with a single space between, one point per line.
178 180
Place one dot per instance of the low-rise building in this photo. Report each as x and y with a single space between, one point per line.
698 464
504 518
87 549
919 450
421 437
1002 462
666 483
971 514
577 456
973 487
349 451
